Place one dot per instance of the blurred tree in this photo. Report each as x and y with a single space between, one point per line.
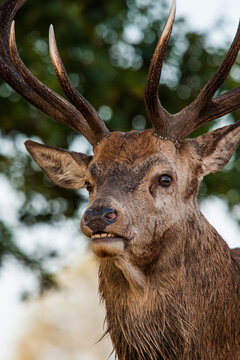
106 48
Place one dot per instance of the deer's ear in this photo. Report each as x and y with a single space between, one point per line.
65 168
217 147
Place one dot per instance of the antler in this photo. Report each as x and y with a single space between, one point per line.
204 108
158 116
82 117
90 114
15 73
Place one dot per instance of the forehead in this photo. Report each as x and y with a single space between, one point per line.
133 150
132 147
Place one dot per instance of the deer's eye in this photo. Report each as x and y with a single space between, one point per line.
88 186
165 180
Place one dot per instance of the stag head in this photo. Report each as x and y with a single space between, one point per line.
141 185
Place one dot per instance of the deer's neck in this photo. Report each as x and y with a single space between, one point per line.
161 319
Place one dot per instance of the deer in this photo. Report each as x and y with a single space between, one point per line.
169 282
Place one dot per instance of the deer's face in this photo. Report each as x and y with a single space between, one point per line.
138 185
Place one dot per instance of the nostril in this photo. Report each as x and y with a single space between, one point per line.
88 216
106 215
86 219
110 215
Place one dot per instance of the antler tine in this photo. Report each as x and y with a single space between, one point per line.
7 70
38 95
220 76
204 108
7 12
90 114
159 117
75 120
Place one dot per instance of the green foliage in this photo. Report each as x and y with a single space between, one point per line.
109 66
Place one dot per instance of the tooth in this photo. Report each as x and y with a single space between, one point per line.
103 235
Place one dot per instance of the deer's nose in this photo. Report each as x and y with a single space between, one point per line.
100 217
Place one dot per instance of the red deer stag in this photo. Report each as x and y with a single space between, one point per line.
170 283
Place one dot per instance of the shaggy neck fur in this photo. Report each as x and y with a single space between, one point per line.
189 305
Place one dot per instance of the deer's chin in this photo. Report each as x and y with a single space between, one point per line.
109 245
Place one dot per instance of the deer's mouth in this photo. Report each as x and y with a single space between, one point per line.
104 235
107 244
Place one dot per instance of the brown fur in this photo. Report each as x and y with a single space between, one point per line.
170 284
189 304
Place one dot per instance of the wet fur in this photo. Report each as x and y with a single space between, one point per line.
172 287
189 307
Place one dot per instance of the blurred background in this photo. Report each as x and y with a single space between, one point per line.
106 47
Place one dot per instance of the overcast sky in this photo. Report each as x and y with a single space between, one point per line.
203 14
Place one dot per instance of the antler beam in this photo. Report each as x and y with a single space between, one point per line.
204 108
15 73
